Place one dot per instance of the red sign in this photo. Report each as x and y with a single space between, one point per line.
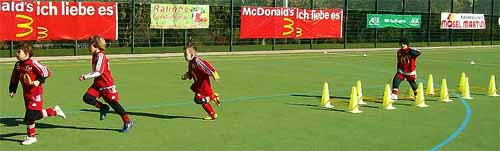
42 20
280 22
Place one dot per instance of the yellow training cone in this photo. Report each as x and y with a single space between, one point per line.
462 83
430 86
387 102
419 99
466 91
360 92
353 102
492 89
411 93
325 97
445 97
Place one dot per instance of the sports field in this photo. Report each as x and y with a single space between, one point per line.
269 103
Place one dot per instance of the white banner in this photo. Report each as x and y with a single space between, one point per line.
462 21
498 21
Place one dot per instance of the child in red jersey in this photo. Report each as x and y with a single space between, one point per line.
200 71
104 85
32 76
406 68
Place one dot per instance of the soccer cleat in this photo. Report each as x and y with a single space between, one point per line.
29 140
127 127
103 111
59 111
394 97
210 117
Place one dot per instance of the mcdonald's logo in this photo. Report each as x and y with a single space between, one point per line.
42 32
26 25
288 26
299 32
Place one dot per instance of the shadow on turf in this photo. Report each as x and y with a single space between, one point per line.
160 116
10 122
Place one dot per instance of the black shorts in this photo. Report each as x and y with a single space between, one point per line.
32 115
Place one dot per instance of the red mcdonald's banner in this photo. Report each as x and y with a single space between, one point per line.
298 23
44 20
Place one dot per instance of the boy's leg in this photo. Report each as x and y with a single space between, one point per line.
111 97
31 138
29 118
396 81
90 97
127 123
413 83
204 101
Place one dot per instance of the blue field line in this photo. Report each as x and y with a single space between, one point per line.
460 128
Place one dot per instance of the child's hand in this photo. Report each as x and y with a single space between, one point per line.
82 78
186 76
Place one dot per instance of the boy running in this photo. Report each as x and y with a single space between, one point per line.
200 71
406 68
104 85
32 75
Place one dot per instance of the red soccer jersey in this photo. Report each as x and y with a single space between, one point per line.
201 71
407 60
100 68
26 72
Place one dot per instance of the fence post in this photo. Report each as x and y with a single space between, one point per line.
273 45
133 29
75 49
11 48
311 40
376 29
231 36
346 13
450 35
429 24
186 33
404 8
492 20
162 37
473 31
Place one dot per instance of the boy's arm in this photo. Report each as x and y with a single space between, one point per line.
99 67
207 68
42 73
415 52
14 81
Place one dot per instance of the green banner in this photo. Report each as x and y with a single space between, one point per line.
391 20
179 16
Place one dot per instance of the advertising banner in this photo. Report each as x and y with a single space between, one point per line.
44 20
391 20
462 21
179 16
295 23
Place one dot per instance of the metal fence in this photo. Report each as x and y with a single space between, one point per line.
135 36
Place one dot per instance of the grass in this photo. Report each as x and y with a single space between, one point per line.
269 102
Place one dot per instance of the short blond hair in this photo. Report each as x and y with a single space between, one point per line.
192 50
101 43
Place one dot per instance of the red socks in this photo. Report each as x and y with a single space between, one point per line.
208 108
395 91
125 118
50 112
31 132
